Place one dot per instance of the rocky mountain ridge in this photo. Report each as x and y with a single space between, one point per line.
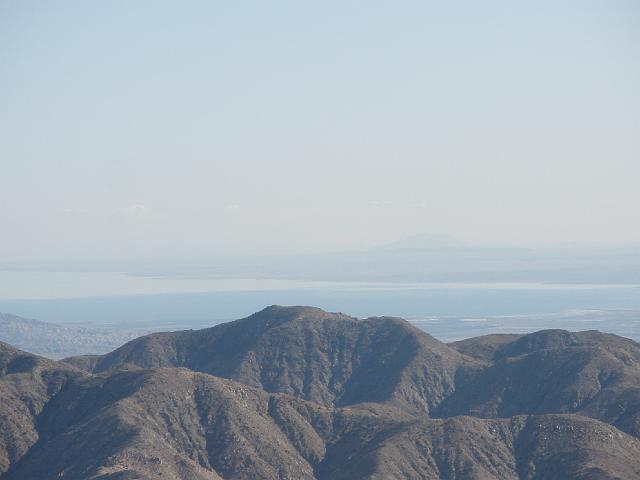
298 393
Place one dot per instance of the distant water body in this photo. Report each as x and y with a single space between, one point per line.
47 285
449 310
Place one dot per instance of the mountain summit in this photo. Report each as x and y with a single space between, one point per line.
328 358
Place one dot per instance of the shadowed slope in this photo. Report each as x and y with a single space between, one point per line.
27 383
554 371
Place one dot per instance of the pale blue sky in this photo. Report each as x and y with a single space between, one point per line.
154 128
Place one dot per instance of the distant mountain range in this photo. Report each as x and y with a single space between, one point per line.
58 341
299 393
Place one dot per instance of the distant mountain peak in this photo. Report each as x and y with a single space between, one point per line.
425 241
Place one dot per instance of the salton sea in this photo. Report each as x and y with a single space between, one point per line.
448 311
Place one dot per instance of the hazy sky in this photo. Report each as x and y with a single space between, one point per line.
154 128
